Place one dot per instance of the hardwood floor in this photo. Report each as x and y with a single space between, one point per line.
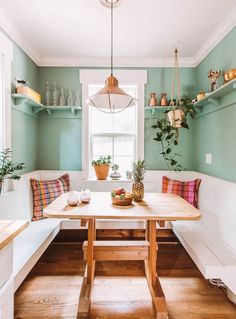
52 288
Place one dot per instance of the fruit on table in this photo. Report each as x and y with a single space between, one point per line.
120 193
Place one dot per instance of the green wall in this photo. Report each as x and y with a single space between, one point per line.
60 135
24 126
54 142
215 133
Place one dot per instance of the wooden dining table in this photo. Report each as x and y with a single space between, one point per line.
155 208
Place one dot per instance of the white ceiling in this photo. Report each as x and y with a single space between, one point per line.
76 32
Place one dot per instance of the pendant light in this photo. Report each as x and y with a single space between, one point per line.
111 99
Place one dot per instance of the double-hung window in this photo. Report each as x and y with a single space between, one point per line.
121 134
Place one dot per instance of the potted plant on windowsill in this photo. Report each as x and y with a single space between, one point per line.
8 168
102 167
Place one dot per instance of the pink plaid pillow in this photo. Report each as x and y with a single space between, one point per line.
45 192
187 190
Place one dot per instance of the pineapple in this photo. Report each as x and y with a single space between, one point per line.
138 176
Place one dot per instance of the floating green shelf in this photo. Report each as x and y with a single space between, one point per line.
155 109
215 97
39 107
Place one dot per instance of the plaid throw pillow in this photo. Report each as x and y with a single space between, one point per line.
45 192
187 190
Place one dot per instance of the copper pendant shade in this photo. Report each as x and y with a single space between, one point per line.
111 98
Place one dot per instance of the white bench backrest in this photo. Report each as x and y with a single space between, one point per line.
217 202
17 204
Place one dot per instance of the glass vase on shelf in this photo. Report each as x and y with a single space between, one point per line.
70 99
54 95
77 98
62 101
47 95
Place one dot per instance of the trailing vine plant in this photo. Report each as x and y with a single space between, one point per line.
167 133
169 123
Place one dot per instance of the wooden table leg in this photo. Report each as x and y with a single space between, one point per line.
90 259
155 288
85 293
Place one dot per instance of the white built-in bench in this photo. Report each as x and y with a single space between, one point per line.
211 242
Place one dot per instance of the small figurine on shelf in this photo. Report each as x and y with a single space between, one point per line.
213 76
153 100
115 174
62 101
54 95
164 101
70 99
47 95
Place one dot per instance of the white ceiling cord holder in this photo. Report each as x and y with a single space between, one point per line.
111 98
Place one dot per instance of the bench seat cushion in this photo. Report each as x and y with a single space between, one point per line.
29 245
210 253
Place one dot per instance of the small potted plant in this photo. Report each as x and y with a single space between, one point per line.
8 168
102 167
138 171
115 174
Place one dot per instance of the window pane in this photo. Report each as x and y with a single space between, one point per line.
101 122
121 148
102 146
125 121
124 145
125 162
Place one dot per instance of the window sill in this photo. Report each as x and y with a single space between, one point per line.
109 180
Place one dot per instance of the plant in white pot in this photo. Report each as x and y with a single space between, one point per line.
8 167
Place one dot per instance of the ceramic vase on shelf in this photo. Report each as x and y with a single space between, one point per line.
54 95
62 101
164 101
153 100
70 99
47 95
77 98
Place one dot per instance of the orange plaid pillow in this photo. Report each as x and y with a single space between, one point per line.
45 192
187 190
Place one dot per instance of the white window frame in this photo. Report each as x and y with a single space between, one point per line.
6 51
138 77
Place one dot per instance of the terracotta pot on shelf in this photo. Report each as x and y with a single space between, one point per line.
153 100
230 75
164 101
101 171
176 117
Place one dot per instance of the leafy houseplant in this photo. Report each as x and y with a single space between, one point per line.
102 167
167 128
138 171
115 174
8 168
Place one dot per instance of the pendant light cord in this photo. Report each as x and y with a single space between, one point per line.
112 37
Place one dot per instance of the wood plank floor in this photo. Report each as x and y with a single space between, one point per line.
52 288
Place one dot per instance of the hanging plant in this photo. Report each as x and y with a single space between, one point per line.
169 123
167 128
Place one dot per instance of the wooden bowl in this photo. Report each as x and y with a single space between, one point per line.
122 202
